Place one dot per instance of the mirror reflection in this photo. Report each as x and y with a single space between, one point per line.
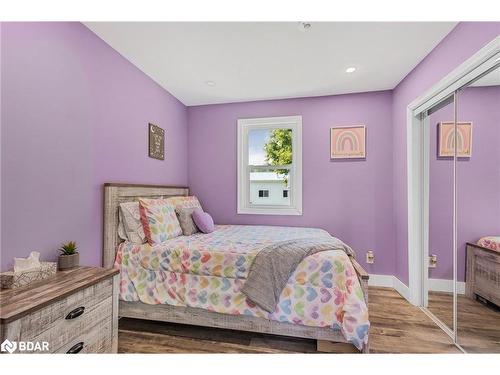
478 215
439 293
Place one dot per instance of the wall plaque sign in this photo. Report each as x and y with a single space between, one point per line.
156 142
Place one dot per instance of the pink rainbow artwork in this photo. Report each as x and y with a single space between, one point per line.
348 142
446 145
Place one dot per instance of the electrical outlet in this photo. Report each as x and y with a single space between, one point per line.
433 260
370 257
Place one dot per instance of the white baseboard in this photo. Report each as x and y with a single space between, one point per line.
381 280
442 285
435 285
390 281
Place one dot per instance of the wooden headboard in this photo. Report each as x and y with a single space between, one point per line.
116 193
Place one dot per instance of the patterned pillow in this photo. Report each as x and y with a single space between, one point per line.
490 242
159 220
130 227
186 220
184 202
180 203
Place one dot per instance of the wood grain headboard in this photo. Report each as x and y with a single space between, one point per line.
116 193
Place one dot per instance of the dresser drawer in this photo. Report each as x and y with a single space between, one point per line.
68 314
77 309
96 339
65 331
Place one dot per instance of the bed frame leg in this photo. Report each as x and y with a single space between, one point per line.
324 346
366 348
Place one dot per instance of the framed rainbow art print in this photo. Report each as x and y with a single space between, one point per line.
348 142
446 144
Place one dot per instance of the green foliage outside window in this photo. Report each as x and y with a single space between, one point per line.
279 150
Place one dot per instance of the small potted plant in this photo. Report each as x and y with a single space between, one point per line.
69 257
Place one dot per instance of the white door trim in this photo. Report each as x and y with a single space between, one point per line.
486 58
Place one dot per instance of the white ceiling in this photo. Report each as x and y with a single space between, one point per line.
273 60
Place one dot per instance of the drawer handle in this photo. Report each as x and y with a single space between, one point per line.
75 313
75 348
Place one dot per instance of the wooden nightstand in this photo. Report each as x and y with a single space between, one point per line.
74 311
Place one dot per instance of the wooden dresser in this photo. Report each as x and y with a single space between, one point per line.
482 274
75 311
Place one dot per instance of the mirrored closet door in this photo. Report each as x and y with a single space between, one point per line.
461 209
438 124
478 214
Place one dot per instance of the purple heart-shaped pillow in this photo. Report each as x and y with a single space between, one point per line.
203 221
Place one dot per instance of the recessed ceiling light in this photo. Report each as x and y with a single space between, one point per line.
351 69
210 83
304 26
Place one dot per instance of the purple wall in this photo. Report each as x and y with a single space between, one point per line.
350 199
74 115
465 40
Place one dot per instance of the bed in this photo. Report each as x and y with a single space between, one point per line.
197 279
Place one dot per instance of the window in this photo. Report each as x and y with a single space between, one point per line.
263 193
270 166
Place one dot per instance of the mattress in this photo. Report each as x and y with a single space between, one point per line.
208 271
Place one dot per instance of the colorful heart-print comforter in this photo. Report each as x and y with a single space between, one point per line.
208 271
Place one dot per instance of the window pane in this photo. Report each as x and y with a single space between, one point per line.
270 147
267 187
269 162
263 193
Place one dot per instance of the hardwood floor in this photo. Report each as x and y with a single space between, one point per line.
441 305
478 323
397 327
478 326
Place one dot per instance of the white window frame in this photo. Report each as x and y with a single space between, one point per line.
286 122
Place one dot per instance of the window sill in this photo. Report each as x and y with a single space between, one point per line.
269 211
